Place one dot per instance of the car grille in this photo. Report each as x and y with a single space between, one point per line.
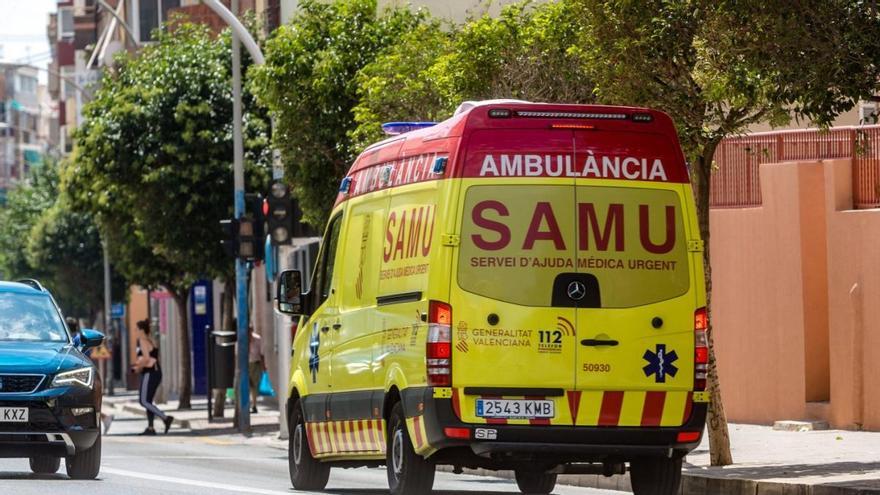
19 384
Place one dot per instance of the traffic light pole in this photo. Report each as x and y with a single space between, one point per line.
239 34
241 278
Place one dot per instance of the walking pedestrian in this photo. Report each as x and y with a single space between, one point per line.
73 326
256 366
147 364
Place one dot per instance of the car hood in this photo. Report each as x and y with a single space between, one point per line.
39 357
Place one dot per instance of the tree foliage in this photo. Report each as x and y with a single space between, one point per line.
154 163
40 237
719 66
529 52
309 85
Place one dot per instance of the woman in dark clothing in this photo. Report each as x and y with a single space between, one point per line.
147 365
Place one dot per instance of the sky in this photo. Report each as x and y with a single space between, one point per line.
23 32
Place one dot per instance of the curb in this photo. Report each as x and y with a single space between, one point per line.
694 484
194 424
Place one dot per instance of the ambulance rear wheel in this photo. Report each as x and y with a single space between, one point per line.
531 482
655 475
306 473
408 472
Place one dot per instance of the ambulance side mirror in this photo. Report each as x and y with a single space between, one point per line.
290 297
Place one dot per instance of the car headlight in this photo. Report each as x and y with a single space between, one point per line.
81 377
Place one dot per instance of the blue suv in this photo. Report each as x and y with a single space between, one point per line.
50 393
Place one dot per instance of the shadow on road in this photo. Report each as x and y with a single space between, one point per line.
31 476
788 471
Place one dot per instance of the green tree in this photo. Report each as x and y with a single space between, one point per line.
718 66
529 52
24 206
308 83
153 164
42 239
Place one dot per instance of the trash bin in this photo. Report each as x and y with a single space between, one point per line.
223 359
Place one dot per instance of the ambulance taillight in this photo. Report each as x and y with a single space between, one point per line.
701 349
438 350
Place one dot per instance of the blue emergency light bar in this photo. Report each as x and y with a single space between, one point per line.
395 128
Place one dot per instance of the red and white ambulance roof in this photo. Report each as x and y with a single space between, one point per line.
504 138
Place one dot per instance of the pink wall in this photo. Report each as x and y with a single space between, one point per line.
783 316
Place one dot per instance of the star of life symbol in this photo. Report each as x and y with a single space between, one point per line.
314 359
660 363
577 290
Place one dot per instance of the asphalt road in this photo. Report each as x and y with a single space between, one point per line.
181 463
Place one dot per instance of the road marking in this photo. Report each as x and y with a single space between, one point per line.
194 457
189 482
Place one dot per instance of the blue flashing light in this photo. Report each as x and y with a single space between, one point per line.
345 185
395 128
439 165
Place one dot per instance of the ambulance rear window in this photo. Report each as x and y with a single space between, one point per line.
518 239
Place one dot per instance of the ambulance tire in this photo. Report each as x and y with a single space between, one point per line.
655 475
408 472
45 464
306 473
531 482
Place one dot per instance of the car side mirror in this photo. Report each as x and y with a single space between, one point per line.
90 338
290 296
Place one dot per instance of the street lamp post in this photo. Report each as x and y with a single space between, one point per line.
239 34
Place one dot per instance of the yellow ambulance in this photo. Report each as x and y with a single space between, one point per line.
518 287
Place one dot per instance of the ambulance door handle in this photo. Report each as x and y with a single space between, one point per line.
598 342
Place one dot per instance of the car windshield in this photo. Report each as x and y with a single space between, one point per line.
32 318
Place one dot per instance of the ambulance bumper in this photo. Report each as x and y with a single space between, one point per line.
558 444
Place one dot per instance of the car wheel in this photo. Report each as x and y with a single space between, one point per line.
655 476
44 464
85 465
306 473
408 472
536 483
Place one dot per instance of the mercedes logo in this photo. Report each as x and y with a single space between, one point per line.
577 290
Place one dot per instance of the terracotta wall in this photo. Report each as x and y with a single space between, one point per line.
786 318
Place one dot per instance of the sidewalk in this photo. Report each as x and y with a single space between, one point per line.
767 462
196 419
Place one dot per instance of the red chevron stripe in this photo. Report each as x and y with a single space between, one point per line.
328 441
609 414
309 436
362 437
574 404
652 412
456 406
688 407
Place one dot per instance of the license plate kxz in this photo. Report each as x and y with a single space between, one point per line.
13 415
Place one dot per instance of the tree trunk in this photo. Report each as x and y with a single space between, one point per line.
180 299
719 436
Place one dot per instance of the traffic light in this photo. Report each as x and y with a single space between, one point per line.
279 214
245 237
251 229
230 237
